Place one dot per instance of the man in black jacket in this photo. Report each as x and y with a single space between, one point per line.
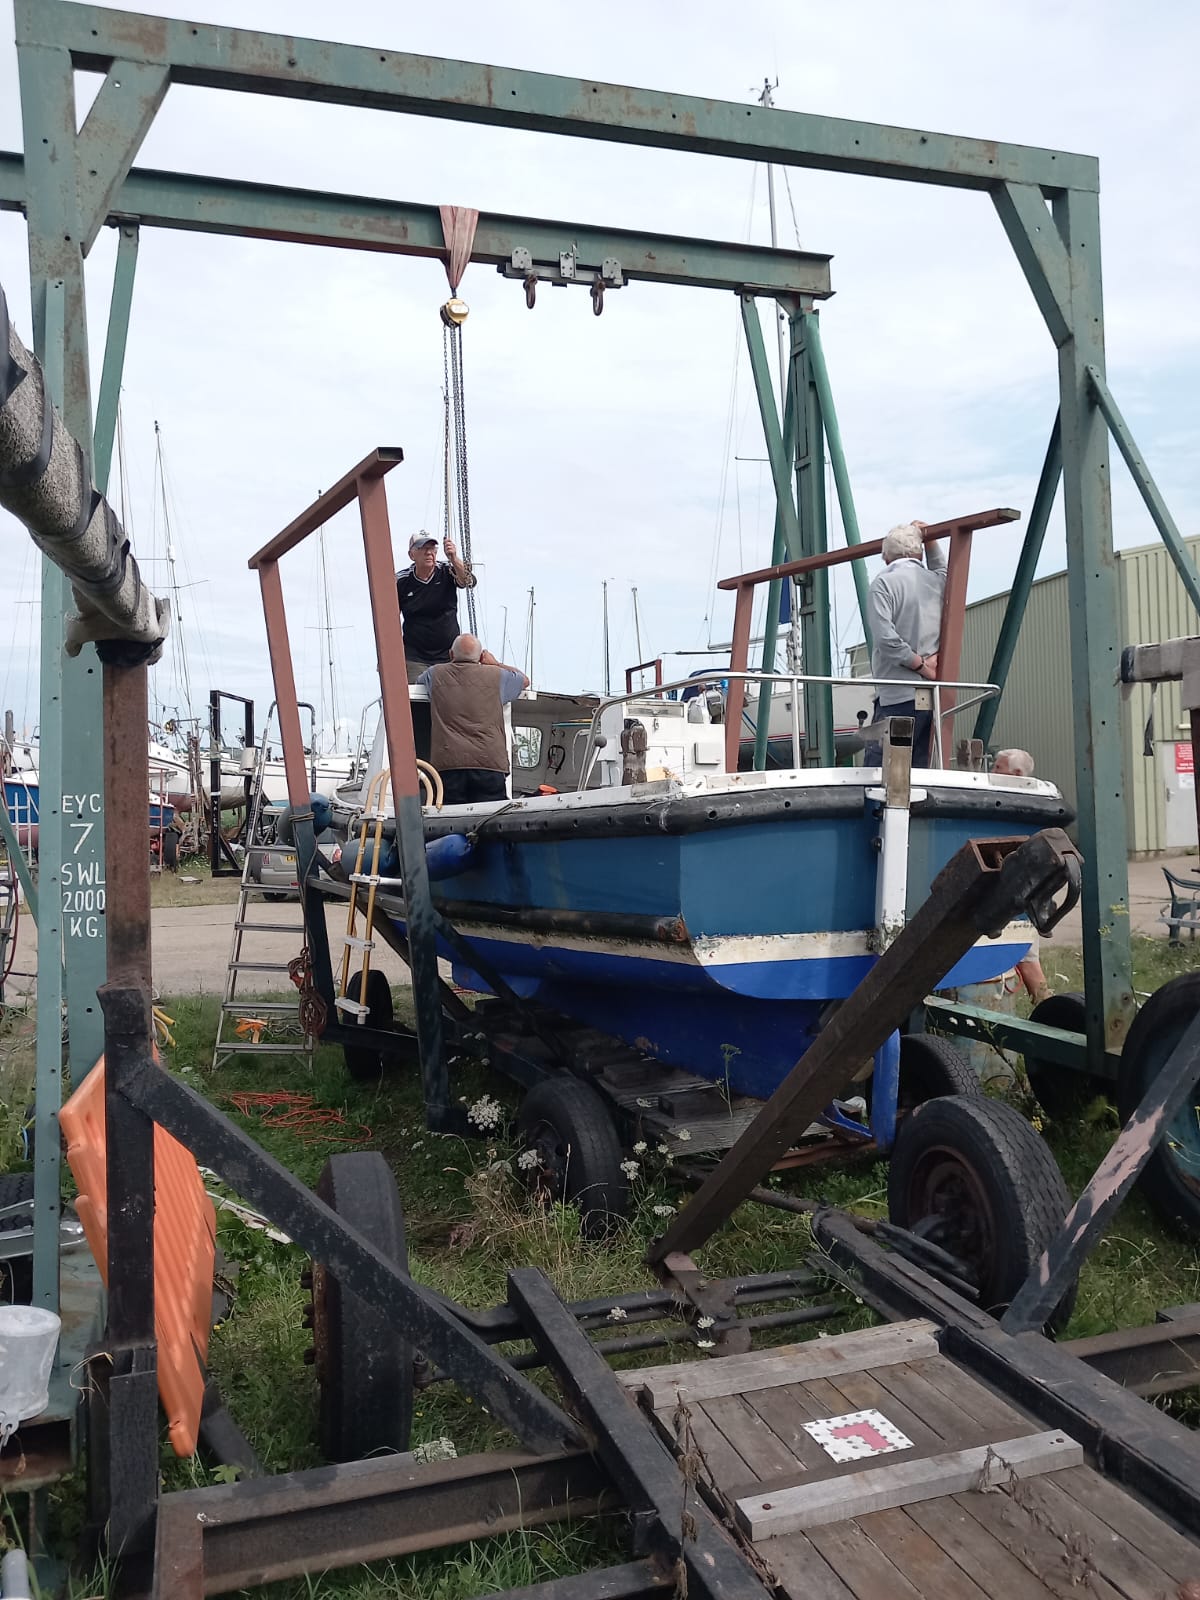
428 593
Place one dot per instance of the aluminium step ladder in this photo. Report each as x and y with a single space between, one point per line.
254 1026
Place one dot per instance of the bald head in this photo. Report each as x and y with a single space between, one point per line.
466 648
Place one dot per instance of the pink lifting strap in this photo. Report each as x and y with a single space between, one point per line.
458 229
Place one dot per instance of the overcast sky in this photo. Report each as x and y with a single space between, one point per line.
604 447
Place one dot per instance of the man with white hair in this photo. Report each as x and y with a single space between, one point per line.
1013 764
428 595
904 609
469 745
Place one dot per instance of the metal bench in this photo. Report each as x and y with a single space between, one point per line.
1183 911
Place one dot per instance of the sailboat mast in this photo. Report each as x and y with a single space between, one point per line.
637 626
529 640
607 659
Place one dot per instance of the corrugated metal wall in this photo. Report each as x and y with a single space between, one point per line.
1035 712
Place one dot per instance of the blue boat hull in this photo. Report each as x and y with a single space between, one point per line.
713 939
22 802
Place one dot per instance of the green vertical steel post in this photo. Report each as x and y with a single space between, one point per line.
109 398
48 114
762 708
1014 612
781 451
1095 638
837 459
71 836
1147 488
819 750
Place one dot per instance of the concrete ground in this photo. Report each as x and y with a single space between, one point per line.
191 948
191 944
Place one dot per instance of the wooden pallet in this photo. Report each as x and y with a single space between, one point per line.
983 1503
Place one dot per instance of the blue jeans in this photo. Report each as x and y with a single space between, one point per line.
922 729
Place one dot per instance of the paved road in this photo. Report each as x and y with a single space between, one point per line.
192 943
191 948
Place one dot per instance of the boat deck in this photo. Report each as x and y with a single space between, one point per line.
982 1501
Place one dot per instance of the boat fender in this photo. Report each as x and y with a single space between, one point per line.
389 856
322 813
448 856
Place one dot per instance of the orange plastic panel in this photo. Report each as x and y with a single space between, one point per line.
185 1231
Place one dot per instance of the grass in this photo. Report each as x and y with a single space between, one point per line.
468 1223
179 889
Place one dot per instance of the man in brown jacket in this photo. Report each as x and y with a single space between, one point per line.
468 695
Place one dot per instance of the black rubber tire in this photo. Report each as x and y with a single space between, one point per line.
170 850
931 1067
573 1131
1061 1092
276 897
977 1166
1156 1030
364 1367
363 1064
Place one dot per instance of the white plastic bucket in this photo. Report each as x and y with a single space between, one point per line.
28 1340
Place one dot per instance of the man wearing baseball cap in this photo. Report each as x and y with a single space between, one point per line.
428 592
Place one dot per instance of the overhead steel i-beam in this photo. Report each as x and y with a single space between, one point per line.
183 200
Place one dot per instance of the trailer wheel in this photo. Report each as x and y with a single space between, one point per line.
170 850
571 1130
16 1272
364 1367
1061 1092
931 1067
971 1175
363 1063
1170 1180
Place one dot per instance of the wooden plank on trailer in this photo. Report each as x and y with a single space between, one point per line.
785 1413
802 1574
911 1386
861 1565
1145 1529
765 1452
723 1463
976 1550
862 1391
921 1559
1138 1576
1064 1568
975 1398
900 1483
815 1358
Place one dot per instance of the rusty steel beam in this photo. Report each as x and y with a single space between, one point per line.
978 891
380 461
239 1536
873 547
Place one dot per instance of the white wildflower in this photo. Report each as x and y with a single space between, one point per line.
640 1148
527 1160
645 1104
617 1314
705 1344
631 1169
664 1211
683 1135
487 1114
704 1322
663 1150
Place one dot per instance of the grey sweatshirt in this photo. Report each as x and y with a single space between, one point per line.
904 607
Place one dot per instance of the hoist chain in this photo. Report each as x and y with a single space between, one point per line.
457 490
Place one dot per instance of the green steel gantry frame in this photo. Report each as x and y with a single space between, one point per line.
73 182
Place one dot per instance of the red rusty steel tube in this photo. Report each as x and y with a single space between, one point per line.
389 638
860 552
284 678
